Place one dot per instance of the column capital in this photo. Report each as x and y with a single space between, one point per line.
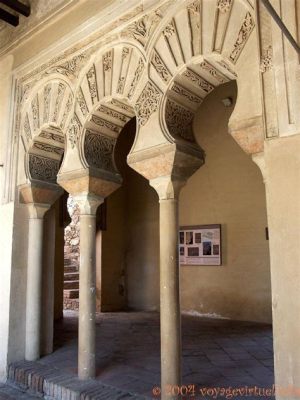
37 211
39 193
259 160
87 203
167 187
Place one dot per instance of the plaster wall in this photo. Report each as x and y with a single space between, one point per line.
18 273
6 234
228 190
282 169
130 243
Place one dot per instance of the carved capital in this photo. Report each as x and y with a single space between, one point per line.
259 159
87 203
91 181
39 193
167 187
167 160
37 211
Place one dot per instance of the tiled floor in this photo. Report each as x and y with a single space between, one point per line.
216 353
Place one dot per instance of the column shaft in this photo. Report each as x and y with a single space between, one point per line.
170 320
34 289
87 297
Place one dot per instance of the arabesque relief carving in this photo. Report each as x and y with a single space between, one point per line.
43 169
179 121
147 102
244 33
98 151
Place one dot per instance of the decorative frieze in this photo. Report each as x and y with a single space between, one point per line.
198 81
224 5
186 94
52 136
160 67
91 78
147 102
211 70
27 129
35 112
244 33
59 98
137 76
70 68
98 151
194 7
103 123
74 131
121 85
48 148
107 61
121 105
47 97
66 110
169 30
43 168
114 114
82 102
266 62
141 29
179 121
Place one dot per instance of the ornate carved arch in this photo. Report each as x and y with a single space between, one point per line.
106 96
43 122
199 47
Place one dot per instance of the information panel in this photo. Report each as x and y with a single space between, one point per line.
200 245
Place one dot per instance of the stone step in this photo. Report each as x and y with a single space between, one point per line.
71 268
71 293
70 260
49 382
71 276
71 304
13 392
71 284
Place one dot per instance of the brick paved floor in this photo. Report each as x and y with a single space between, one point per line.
216 353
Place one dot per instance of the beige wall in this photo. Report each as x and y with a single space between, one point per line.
130 243
283 196
228 190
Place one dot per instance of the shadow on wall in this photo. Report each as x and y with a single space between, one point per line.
130 274
227 190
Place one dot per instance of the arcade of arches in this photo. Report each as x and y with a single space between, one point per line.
151 115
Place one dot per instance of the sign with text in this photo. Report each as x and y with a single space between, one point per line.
200 245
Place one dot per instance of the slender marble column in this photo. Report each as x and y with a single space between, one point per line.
170 318
88 205
34 281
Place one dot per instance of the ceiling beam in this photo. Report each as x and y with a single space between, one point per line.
9 18
17 6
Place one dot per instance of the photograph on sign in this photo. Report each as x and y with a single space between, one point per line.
200 245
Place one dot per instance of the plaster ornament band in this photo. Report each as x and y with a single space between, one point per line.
224 5
147 102
266 62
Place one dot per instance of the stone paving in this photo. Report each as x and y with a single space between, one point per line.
216 354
